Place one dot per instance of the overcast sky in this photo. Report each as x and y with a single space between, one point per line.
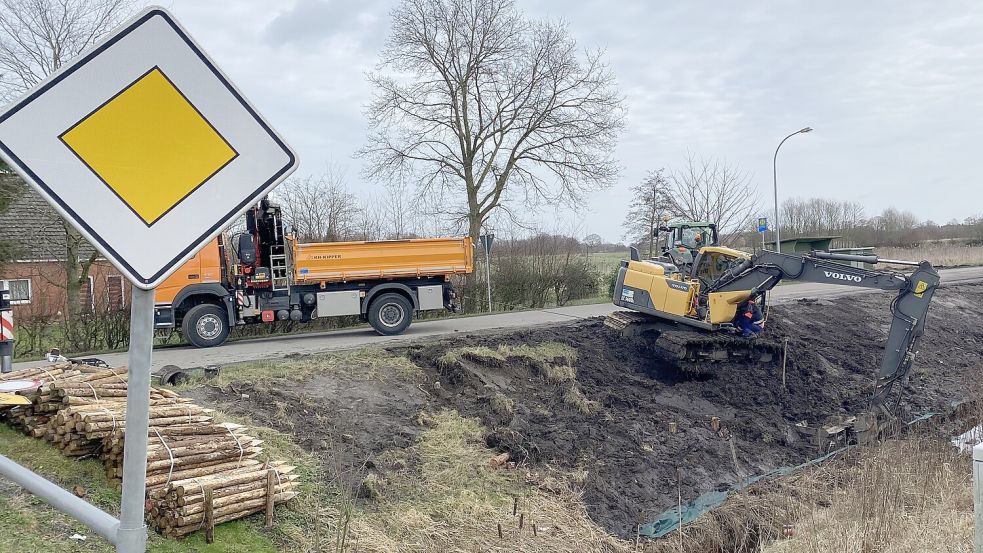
892 89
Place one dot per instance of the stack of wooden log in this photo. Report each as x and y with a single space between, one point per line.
186 505
29 417
199 472
185 450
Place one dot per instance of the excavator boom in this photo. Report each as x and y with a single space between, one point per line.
909 308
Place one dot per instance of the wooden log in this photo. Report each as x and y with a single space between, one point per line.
209 515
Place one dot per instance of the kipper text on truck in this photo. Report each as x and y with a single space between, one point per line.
263 275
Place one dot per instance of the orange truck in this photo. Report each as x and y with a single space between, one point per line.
263 275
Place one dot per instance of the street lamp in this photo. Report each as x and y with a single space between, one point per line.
778 240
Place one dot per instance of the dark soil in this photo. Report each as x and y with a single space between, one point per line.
626 446
632 459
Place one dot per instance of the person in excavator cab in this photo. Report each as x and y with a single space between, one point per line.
749 319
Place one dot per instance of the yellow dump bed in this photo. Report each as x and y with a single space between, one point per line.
350 261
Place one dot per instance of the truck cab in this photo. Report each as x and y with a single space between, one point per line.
263 275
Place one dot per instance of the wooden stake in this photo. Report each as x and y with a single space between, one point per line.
784 362
673 427
270 494
521 517
515 505
499 530
209 517
534 529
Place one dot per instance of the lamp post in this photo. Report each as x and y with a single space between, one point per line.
778 240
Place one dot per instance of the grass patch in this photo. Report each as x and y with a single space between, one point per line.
450 499
362 364
539 355
503 404
576 399
559 374
912 495
28 525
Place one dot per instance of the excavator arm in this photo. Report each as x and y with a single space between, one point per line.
909 308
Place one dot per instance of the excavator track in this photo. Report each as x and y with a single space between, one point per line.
692 350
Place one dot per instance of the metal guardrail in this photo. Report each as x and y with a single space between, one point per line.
128 533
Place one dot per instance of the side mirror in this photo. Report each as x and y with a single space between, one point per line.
633 254
247 249
664 229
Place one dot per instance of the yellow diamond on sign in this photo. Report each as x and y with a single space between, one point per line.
150 146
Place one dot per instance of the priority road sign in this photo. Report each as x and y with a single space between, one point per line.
145 146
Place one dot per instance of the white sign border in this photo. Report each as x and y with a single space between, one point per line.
138 280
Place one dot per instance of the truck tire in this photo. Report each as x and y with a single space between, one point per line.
390 314
206 326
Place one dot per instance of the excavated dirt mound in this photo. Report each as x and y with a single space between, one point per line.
616 425
625 445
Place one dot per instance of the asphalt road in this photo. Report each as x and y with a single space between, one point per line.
282 346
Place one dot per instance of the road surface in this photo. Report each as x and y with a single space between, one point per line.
304 344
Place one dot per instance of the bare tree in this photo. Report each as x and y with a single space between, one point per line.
319 209
37 37
481 107
650 205
712 190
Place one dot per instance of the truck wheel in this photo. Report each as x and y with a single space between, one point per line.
390 314
206 326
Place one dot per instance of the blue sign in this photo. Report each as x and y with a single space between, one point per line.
762 224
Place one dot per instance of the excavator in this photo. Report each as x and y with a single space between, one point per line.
687 298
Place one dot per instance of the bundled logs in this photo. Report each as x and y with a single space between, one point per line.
199 472
187 505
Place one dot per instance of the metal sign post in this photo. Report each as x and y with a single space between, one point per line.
132 530
145 147
486 244
762 228
978 495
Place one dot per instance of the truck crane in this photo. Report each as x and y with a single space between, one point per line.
690 309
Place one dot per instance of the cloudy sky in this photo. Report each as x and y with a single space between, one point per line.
892 89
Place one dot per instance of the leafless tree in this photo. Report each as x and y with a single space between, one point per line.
318 208
37 37
650 204
481 107
713 190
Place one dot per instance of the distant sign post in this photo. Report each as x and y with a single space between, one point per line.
145 146
486 244
762 228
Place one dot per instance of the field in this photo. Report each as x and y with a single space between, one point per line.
573 438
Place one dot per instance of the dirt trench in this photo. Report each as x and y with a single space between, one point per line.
615 426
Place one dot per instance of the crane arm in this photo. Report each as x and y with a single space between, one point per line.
908 309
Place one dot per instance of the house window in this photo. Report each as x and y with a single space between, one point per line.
86 299
115 292
20 290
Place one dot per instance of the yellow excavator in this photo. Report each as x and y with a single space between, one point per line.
688 297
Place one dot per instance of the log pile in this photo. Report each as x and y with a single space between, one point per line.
187 505
199 472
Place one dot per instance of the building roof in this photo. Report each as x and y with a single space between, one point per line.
36 230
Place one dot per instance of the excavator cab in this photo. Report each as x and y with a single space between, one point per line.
681 241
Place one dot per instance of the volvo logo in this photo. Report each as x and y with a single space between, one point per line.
842 276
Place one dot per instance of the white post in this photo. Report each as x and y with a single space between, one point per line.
978 494
6 330
488 274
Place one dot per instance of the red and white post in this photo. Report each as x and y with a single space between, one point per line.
6 330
